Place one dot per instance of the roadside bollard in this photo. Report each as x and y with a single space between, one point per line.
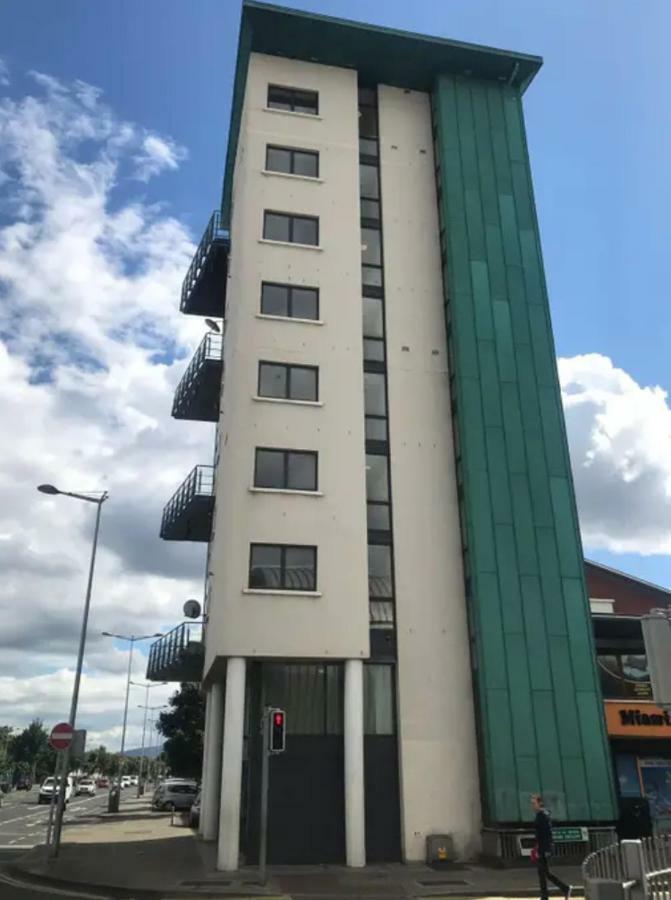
113 800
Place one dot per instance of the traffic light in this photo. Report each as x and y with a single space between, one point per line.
277 730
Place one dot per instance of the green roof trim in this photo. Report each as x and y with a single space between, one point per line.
380 56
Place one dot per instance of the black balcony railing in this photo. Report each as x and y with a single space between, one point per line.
188 515
197 394
177 656
204 288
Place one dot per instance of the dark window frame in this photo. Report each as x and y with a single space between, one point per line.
288 367
283 555
290 295
292 220
286 452
294 94
292 151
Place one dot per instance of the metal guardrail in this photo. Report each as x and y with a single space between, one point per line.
178 654
630 869
215 238
197 486
209 355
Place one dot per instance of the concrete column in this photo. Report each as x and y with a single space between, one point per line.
355 816
204 779
209 811
228 845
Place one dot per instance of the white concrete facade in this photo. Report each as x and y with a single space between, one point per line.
439 791
436 719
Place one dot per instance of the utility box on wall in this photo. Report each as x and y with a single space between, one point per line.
439 850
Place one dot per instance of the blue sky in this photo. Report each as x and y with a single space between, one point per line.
102 194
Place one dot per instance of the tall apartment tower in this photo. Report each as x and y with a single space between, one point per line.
394 555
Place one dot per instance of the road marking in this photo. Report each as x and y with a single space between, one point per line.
51 891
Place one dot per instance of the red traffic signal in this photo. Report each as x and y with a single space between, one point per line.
278 727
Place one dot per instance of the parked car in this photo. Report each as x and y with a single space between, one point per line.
194 812
50 784
24 783
87 786
102 782
175 795
125 781
134 780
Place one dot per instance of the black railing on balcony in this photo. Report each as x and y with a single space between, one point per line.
197 394
204 288
177 656
188 515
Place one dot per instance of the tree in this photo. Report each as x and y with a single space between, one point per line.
5 740
31 747
183 727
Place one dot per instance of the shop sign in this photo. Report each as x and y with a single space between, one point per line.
637 720
564 835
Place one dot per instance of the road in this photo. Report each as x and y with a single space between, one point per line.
23 824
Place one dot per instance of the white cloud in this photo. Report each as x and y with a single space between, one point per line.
91 347
620 440
4 73
157 154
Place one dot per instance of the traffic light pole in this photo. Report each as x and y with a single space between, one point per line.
265 773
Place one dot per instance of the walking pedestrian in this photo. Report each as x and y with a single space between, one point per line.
543 849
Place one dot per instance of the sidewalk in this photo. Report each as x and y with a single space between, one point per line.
139 852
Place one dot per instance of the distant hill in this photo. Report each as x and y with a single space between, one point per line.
148 752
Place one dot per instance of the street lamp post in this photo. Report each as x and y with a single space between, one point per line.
98 500
131 638
148 686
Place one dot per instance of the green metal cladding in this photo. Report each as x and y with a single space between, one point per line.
540 711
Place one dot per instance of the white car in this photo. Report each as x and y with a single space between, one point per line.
47 789
134 780
125 781
87 786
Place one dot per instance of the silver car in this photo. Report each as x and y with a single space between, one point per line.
175 795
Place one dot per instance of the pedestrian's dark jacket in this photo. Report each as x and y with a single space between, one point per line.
543 829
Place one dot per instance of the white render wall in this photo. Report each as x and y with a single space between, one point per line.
334 624
438 751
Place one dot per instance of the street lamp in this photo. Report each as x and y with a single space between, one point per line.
148 686
89 497
131 638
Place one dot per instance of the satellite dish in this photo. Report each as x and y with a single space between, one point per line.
192 609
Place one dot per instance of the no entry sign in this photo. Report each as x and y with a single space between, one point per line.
61 736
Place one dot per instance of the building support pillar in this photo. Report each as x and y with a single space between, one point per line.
228 844
209 806
204 783
355 816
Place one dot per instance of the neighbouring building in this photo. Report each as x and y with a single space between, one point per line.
639 732
393 545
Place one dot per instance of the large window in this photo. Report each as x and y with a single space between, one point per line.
292 162
294 470
373 330
291 229
377 492
624 675
285 567
289 301
293 99
286 382
311 694
379 572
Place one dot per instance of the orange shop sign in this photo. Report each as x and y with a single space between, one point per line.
637 720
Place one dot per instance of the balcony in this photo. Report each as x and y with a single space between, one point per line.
188 515
204 288
177 656
197 395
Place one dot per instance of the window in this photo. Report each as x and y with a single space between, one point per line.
371 247
293 99
285 567
624 676
375 401
289 301
291 229
311 694
294 470
379 571
377 492
378 699
373 317
292 162
368 182
288 382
